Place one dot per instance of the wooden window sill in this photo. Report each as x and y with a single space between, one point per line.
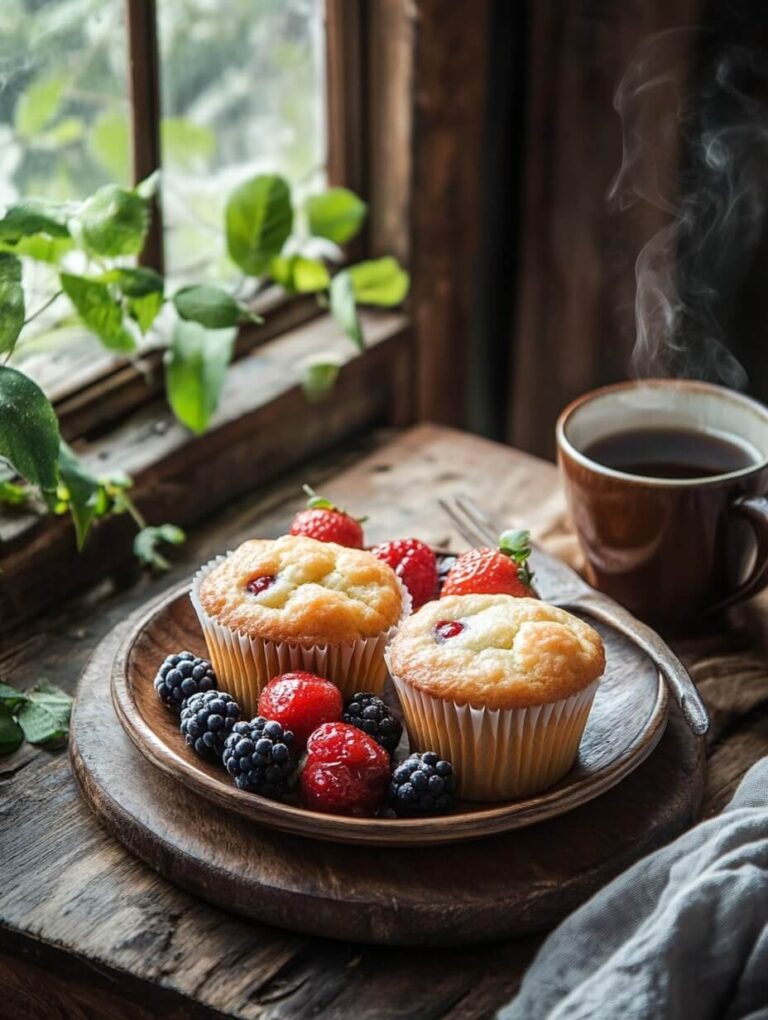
264 425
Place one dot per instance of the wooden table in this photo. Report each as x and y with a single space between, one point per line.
88 931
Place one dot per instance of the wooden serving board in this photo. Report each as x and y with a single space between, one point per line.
491 888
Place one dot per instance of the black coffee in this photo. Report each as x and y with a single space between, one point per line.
670 453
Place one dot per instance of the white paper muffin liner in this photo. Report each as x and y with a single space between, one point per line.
245 664
498 754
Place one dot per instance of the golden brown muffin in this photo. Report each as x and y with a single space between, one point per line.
511 653
302 592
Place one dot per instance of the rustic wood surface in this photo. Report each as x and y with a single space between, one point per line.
626 722
89 931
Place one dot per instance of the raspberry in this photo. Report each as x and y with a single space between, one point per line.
257 754
182 675
423 784
372 716
493 571
414 563
327 523
257 585
346 773
300 702
207 720
445 629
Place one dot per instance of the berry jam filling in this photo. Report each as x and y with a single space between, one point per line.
445 629
257 585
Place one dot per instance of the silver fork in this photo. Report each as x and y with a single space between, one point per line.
560 585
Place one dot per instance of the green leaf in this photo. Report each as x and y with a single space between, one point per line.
379 282
38 104
146 542
82 489
12 494
319 376
99 311
109 143
42 248
143 290
66 132
211 306
185 143
11 734
258 219
10 698
298 274
149 187
29 431
114 221
35 216
44 717
337 214
11 301
196 366
344 309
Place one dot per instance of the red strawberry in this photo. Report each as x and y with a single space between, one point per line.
300 702
346 773
493 571
414 563
327 523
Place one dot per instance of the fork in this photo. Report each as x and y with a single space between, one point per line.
563 587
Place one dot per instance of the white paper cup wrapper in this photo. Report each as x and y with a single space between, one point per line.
498 754
245 664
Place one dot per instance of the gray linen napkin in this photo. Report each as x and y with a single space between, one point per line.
681 935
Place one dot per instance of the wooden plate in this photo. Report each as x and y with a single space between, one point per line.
626 723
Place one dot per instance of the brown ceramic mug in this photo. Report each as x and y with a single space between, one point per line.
671 549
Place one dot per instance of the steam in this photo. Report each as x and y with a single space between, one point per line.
699 154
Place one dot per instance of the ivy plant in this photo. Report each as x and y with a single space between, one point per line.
92 247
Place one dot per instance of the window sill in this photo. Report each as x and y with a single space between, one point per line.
263 426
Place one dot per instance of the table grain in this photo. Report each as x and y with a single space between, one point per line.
87 931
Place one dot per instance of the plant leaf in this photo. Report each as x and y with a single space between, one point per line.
298 274
10 698
11 301
258 220
196 365
11 734
379 282
319 375
146 542
38 105
44 716
185 143
344 309
43 248
12 494
150 186
337 214
32 216
82 489
143 290
99 311
211 306
109 142
29 431
114 221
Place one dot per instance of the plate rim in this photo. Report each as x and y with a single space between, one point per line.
348 830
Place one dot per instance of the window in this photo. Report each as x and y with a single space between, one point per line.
241 91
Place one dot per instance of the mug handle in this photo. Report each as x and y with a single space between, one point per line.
755 510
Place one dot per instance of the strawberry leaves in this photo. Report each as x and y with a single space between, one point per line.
517 545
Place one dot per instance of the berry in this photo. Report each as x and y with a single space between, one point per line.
182 675
372 716
445 629
493 571
327 523
257 754
257 585
346 773
301 702
414 563
423 784
207 720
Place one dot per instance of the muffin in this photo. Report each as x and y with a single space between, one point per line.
501 686
272 606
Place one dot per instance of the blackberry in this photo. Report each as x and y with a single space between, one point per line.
372 716
423 784
207 719
181 676
257 754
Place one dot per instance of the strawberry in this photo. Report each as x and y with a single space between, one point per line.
328 523
346 772
414 563
300 702
493 571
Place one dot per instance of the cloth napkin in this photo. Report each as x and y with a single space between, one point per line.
682 934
